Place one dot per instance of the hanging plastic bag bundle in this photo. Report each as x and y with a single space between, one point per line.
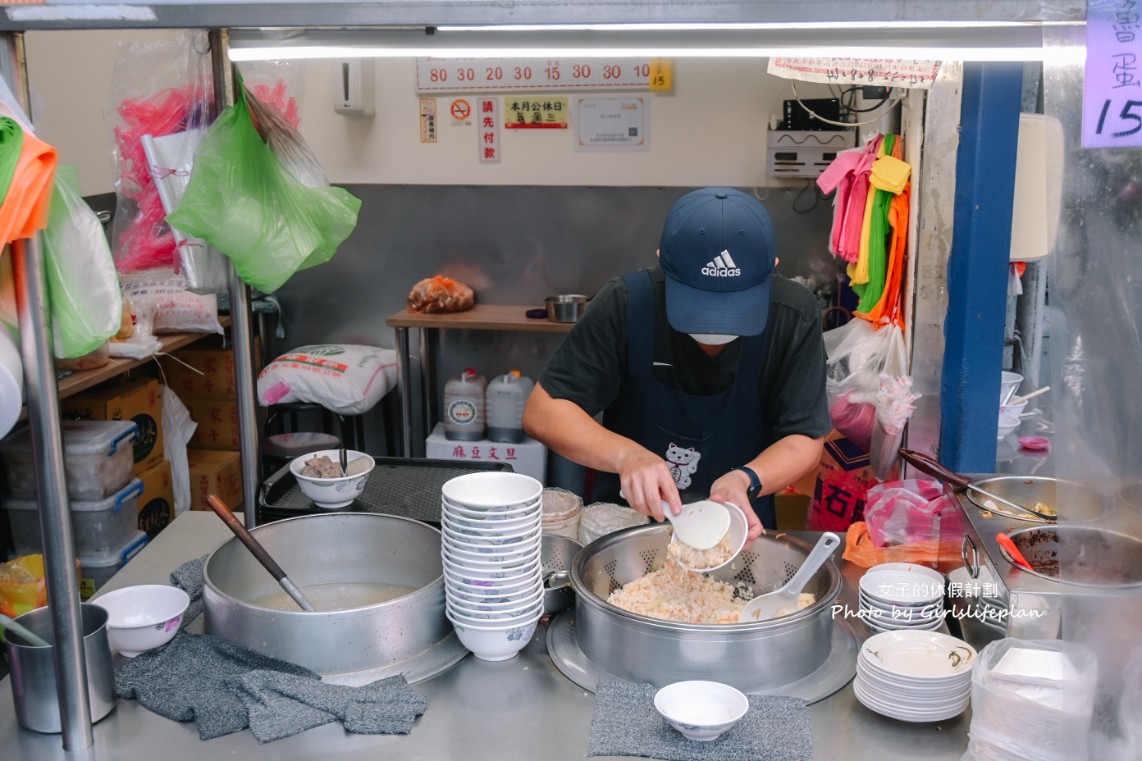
242 200
86 305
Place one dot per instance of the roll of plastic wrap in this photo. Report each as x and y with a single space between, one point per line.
11 383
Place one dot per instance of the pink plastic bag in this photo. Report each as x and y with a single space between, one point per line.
907 512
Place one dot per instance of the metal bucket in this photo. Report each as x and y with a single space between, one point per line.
556 554
340 548
1080 555
754 657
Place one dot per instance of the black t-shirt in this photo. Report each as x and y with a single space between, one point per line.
590 365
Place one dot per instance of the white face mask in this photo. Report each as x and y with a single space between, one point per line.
711 339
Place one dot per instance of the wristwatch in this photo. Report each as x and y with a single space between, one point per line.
754 482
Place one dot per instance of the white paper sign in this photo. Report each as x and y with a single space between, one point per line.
612 124
873 72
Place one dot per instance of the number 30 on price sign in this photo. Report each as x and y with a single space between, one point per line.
1112 91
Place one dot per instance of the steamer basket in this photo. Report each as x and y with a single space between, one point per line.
754 657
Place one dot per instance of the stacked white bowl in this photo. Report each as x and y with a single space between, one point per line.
895 596
915 676
491 526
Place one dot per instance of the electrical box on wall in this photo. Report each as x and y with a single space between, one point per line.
804 153
355 87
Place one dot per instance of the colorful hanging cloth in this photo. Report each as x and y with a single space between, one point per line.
28 164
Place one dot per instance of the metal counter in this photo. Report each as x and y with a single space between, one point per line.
523 708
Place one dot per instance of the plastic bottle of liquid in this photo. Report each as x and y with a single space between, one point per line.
464 407
507 394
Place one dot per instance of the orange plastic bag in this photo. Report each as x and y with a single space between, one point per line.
22 585
860 550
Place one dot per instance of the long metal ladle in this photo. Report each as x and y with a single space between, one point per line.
258 551
934 469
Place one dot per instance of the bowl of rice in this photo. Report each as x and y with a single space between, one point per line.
318 474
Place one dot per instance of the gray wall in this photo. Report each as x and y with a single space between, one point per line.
513 245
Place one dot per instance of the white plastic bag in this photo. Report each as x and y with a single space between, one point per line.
83 285
161 300
345 378
177 430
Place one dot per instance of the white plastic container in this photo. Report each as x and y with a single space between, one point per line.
561 512
602 518
96 569
506 397
97 527
464 406
97 456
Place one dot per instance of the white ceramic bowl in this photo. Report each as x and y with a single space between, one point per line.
488 554
495 644
491 514
142 617
1009 381
1007 424
504 622
493 490
701 710
490 588
331 493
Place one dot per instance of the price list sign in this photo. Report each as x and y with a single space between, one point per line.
1112 90
497 74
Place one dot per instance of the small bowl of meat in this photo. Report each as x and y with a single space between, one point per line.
320 478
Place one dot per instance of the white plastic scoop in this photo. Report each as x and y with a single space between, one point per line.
700 524
767 606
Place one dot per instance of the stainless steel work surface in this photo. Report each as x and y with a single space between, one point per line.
523 708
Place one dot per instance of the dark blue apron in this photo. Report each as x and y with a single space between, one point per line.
700 437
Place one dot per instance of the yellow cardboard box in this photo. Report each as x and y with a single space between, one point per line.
215 472
136 399
203 372
217 423
156 503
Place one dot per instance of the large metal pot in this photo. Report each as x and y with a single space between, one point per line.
336 548
754 657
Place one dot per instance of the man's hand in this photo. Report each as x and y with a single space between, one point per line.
732 488
647 483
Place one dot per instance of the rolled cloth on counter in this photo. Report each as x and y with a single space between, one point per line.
625 723
188 578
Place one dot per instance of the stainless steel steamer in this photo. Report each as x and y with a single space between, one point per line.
366 548
754 657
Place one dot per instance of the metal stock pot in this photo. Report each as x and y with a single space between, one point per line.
336 548
754 657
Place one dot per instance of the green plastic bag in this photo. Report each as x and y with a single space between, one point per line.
246 204
83 286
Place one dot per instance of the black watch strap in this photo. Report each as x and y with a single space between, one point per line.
754 481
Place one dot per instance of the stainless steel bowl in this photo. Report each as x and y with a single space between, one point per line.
754 657
556 554
335 548
566 307
1080 555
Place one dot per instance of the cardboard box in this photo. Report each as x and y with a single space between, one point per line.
156 503
217 423
215 381
214 472
137 400
528 457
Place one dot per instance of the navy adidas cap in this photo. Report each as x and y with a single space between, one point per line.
718 254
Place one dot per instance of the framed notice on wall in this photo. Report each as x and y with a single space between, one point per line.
612 124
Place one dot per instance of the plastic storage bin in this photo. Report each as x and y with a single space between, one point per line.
561 510
602 518
96 569
97 527
97 454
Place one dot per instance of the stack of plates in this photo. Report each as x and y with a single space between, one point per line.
914 675
491 530
897 596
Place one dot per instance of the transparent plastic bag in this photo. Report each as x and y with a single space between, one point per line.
83 286
907 512
1032 700
242 200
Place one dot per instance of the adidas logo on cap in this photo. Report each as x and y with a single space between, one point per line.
722 266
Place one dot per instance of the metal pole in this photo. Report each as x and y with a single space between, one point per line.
241 318
47 450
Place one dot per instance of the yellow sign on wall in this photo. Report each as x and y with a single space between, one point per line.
661 74
536 112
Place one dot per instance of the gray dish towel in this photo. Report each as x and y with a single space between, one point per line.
625 723
188 578
223 688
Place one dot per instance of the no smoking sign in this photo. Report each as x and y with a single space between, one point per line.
461 111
